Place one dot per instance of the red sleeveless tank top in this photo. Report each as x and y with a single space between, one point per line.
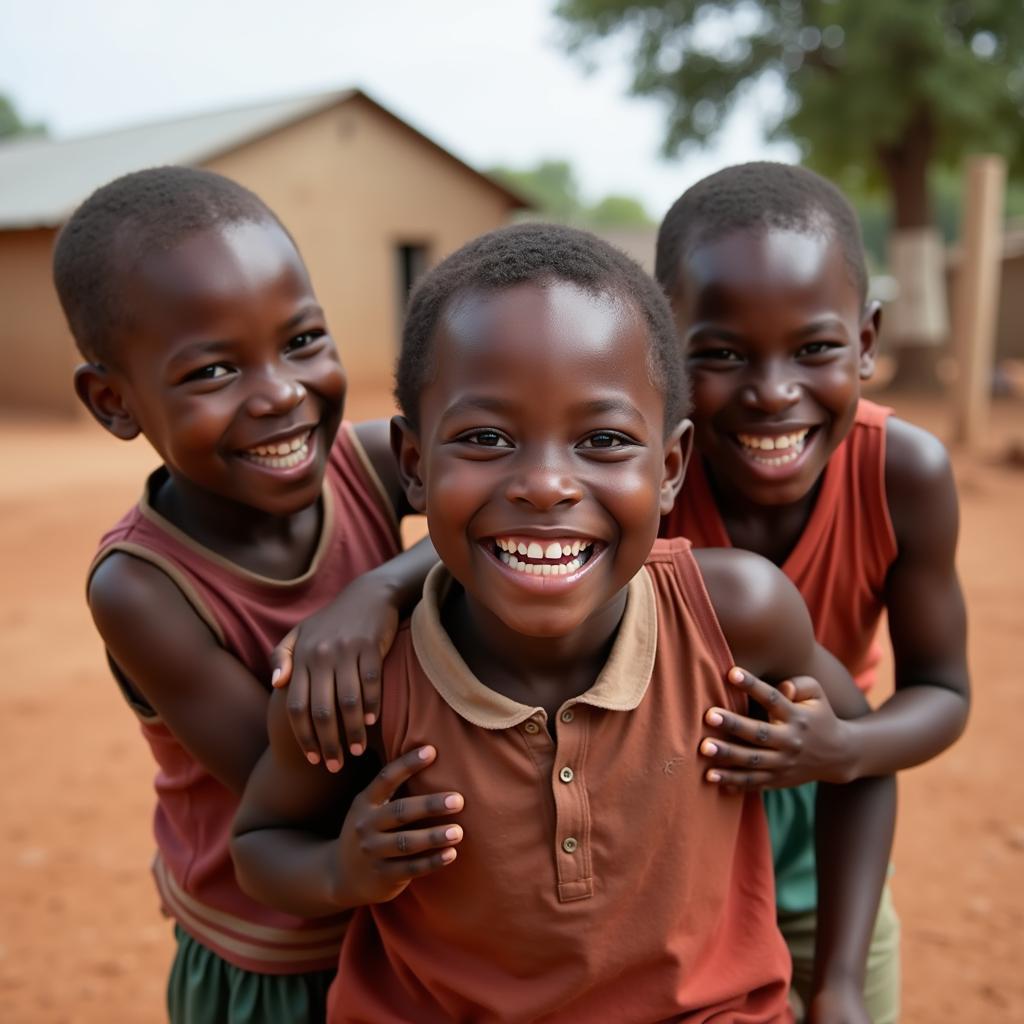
248 614
843 556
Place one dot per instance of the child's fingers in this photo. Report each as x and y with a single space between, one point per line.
732 780
396 773
764 693
349 696
389 845
322 712
299 717
396 814
731 755
281 660
414 867
369 678
751 730
804 688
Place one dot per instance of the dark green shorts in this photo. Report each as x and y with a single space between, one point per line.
204 989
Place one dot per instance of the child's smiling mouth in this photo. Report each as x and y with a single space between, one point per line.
775 450
561 557
284 454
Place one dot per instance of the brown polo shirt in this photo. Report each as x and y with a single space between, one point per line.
600 878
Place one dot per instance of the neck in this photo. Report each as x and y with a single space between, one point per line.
536 671
277 546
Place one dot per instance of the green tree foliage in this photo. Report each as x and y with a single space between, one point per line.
11 124
553 190
878 91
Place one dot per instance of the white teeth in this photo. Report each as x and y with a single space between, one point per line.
792 444
282 455
522 548
534 550
508 549
553 550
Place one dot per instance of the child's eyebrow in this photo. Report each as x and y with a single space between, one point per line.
310 309
824 323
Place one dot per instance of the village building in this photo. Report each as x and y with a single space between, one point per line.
371 202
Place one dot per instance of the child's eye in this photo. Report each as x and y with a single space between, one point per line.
215 371
716 355
304 340
604 440
485 439
817 348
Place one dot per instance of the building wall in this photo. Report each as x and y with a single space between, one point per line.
39 356
352 184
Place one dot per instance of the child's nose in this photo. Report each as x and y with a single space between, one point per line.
771 391
544 487
275 395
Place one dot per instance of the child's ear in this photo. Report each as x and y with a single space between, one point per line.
405 443
102 397
870 325
678 446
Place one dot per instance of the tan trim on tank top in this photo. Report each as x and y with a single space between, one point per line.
373 476
620 686
169 886
326 532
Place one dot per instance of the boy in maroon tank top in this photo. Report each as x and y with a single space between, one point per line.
765 270
550 691
201 331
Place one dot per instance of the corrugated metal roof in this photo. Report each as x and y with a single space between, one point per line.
43 180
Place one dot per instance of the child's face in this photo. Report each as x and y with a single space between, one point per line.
777 343
227 367
542 430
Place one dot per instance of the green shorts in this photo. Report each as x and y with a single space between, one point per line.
204 989
882 980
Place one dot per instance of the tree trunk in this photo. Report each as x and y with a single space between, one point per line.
905 163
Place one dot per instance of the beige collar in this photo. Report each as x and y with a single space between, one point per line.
620 686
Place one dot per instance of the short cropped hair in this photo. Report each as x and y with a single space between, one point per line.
122 223
526 253
758 196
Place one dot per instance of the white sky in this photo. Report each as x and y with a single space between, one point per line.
487 79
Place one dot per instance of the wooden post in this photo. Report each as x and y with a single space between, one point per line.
977 296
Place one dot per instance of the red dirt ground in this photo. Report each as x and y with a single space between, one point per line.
80 936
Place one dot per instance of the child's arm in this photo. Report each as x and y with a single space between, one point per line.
927 625
768 628
309 843
206 696
333 659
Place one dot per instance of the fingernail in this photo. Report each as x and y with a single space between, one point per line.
313 758
453 833
426 753
448 855
333 764
736 675
714 718
357 749
370 719
709 748
713 776
275 676
453 801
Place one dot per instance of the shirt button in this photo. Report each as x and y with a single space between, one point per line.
565 774
569 844
567 715
531 728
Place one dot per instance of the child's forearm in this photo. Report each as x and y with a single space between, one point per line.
854 829
914 725
289 870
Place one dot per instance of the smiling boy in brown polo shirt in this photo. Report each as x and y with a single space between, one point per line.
559 669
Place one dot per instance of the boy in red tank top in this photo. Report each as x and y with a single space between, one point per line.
545 702
765 270
201 331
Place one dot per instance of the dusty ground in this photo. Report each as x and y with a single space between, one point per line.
80 936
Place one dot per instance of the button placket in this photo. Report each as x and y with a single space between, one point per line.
572 809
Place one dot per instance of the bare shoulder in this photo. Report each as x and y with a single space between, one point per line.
375 437
760 611
919 484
